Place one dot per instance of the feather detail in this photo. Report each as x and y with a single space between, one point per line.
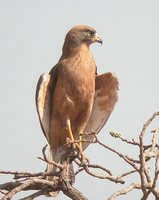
106 96
43 103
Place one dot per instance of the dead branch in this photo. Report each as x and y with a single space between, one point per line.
124 157
26 181
47 161
125 190
94 166
148 183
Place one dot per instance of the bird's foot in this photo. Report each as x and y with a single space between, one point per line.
77 146
76 151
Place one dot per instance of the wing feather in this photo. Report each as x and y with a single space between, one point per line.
106 96
44 99
43 103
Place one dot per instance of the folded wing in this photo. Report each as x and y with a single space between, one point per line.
106 96
43 105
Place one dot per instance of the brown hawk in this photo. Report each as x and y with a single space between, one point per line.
72 98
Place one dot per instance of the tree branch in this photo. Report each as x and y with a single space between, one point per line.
25 181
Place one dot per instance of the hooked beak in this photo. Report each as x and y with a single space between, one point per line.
97 38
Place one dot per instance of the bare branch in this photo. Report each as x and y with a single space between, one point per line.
34 195
127 173
95 166
37 182
18 189
125 190
118 135
143 166
125 158
47 161
111 178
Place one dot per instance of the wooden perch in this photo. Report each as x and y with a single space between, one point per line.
147 184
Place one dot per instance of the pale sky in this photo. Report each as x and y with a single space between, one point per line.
31 37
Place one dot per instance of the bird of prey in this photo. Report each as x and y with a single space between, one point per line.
72 99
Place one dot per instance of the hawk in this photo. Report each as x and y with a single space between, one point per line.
72 99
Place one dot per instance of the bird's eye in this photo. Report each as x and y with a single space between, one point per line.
89 33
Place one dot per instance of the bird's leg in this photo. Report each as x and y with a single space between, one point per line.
75 145
70 130
72 137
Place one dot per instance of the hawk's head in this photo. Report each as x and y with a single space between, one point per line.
82 34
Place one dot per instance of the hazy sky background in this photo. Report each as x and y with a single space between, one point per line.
31 37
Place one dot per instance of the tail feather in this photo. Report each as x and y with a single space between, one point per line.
52 157
58 158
